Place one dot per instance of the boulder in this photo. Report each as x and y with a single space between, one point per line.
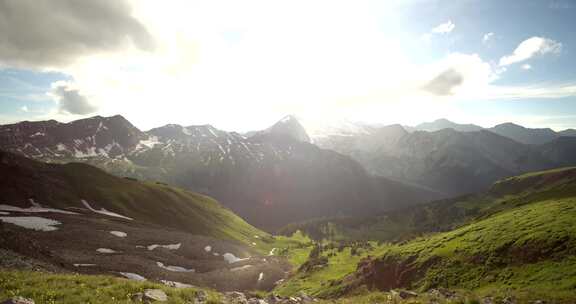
18 300
137 297
201 297
155 295
305 298
488 300
403 294
442 293
273 299
236 297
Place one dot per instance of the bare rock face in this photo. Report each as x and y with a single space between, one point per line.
18 300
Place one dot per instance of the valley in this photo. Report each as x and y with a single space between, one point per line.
202 215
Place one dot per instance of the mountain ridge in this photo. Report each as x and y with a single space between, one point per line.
268 178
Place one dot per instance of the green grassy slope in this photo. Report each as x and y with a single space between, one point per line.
64 186
444 215
47 288
530 248
518 238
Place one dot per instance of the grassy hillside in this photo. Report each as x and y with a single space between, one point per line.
444 215
64 186
517 239
47 288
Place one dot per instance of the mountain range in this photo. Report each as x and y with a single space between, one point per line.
453 158
270 178
281 175
513 131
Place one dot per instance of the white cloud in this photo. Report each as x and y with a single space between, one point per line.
444 28
487 37
532 47
24 108
526 66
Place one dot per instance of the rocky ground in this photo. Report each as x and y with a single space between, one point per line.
91 243
157 295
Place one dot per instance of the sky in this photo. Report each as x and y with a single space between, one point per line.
242 65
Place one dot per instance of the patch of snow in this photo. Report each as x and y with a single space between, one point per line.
101 127
104 211
212 131
84 265
272 251
186 131
90 152
256 236
241 268
230 258
150 142
32 222
261 277
215 254
208 248
168 246
37 134
173 268
33 209
253 244
33 203
133 276
61 147
176 284
119 234
4 213
105 250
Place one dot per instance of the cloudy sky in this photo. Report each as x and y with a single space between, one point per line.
242 65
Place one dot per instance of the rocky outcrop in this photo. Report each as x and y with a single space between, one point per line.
241 298
18 300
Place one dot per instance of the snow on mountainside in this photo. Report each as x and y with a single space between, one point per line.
270 178
50 140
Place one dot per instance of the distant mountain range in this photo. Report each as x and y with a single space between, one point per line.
454 158
510 130
270 178
281 175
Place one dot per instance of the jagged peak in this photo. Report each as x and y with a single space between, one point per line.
291 127
288 118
